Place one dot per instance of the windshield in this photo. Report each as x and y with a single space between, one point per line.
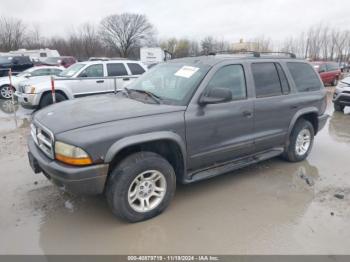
173 83
72 70
25 72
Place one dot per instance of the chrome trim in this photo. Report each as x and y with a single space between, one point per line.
43 138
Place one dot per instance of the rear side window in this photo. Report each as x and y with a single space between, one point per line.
304 77
266 79
136 69
116 69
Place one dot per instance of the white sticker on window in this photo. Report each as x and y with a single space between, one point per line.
186 71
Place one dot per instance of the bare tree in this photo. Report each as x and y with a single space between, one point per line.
34 39
208 44
12 33
90 41
169 44
125 32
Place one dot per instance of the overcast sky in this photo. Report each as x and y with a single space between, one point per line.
225 19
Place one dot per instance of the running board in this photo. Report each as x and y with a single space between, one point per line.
232 165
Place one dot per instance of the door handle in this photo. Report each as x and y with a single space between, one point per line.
100 81
126 79
247 113
293 107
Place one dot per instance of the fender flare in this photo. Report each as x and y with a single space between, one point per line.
115 148
62 90
298 114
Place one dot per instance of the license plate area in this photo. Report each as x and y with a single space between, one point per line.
34 163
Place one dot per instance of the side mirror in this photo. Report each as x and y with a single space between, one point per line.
322 71
27 75
216 95
83 75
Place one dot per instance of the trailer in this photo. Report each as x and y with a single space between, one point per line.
35 55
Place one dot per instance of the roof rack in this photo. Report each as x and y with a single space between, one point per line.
253 53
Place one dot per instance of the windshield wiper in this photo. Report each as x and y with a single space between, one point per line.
156 98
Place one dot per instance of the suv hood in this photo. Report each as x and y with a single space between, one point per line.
94 110
36 80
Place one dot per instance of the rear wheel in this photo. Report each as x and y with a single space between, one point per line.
300 142
140 187
6 91
46 100
338 108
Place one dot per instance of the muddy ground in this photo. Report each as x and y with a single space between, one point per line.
273 207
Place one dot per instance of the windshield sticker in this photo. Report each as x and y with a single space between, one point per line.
186 71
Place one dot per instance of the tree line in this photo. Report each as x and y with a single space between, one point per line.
122 35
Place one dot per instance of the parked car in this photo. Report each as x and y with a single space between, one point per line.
5 87
15 63
185 120
341 96
329 71
65 61
344 67
79 80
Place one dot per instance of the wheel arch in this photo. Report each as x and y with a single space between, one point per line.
59 91
167 144
310 114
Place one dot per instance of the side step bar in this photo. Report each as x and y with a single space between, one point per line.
232 165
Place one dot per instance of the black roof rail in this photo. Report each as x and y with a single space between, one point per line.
253 53
291 55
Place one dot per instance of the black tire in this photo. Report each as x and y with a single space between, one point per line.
338 108
290 153
46 100
123 176
7 97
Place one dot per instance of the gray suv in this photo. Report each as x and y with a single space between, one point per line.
183 121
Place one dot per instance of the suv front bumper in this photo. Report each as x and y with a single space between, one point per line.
30 101
341 96
82 180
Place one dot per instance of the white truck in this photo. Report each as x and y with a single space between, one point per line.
153 55
79 80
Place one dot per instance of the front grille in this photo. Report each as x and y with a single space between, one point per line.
43 138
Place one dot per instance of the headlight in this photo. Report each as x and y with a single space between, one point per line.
71 155
29 89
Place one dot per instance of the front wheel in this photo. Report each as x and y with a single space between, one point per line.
46 100
6 91
140 187
338 108
300 142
